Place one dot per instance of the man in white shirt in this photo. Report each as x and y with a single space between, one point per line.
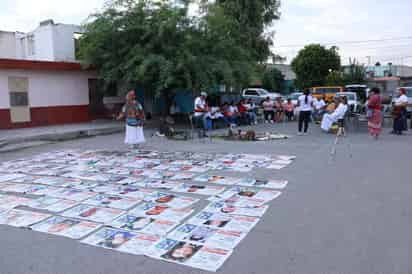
201 109
338 114
319 109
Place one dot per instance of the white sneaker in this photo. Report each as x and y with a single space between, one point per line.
271 121
305 134
266 121
256 123
158 134
300 134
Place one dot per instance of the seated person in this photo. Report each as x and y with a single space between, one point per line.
251 109
279 110
201 109
243 112
268 110
331 106
319 109
215 115
230 112
289 110
337 116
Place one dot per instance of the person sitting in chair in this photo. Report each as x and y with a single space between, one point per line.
337 116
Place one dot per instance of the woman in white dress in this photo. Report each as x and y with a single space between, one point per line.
337 115
133 113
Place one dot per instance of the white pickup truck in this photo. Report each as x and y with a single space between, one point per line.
258 94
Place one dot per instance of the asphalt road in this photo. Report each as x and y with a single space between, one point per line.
350 213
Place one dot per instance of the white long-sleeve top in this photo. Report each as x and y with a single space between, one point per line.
340 111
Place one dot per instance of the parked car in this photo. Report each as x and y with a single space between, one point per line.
353 101
294 97
258 94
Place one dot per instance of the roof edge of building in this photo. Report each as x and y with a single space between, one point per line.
41 65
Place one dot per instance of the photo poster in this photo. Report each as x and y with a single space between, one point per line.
72 194
21 218
213 237
160 211
189 254
222 207
224 221
171 200
199 189
109 238
66 227
247 194
9 201
216 179
104 200
93 213
4 177
144 224
52 204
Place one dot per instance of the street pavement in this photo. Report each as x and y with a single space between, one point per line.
349 212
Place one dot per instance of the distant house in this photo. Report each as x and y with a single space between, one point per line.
389 77
41 83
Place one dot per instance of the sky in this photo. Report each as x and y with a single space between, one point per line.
328 22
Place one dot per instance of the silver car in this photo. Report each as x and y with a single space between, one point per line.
257 95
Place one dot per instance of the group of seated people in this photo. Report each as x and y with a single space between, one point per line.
275 111
230 114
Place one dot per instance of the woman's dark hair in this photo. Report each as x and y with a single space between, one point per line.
376 90
344 100
306 92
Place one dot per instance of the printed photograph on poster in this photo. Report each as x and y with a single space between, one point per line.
93 213
144 224
224 221
197 234
215 179
171 200
109 238
131 191
66 227
21 218
183 176
159 211
225 208
199 189
160 184
266 195
104 200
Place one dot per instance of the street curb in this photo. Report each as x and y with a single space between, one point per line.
58 137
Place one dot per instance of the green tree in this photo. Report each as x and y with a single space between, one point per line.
273 80
355 73
313 64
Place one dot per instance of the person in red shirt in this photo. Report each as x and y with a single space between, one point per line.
243 112
289 110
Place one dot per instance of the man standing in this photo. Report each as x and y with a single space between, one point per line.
201 109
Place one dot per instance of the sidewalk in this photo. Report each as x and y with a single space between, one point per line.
16 139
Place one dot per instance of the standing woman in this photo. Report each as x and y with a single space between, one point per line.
134 114
305 104
374 113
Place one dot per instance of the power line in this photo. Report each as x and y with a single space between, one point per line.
347 42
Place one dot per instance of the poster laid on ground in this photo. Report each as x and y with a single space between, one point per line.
93 213
144 224
104 200
215 179
160 211
265 195
171 200
21 218
199 189
225 208
130 191
224 221
159 184
9 201
139 244
9 177
66 227
72 194
213 237
110 238
197 256
52 204
272 184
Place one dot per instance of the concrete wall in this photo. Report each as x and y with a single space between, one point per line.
7 45
43 44
55 97
63 40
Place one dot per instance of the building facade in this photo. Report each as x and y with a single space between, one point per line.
41 83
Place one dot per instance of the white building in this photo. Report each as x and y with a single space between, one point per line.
41 83
48 42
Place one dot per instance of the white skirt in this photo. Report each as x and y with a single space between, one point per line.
327 122
134 135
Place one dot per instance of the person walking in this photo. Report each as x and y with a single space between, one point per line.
305 104
374 113
133 113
